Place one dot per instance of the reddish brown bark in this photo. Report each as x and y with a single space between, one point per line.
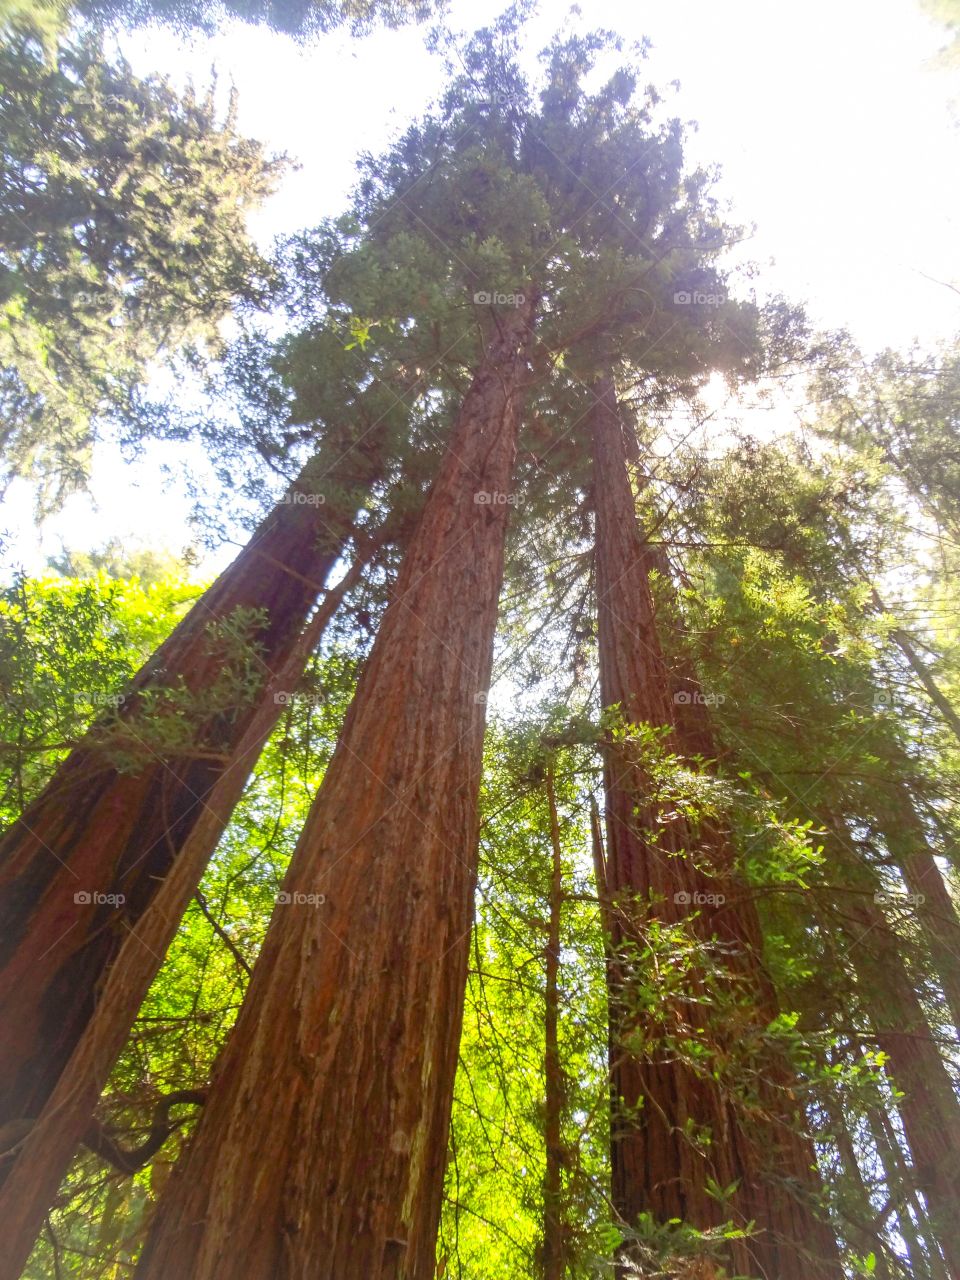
322 1149
98 830
41 1163
656 865
690 713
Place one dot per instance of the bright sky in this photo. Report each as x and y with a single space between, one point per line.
834 136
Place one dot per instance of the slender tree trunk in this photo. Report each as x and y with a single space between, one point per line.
920 669
80 867
676 1129
925 1264
600 874
554 1225
862 1228
613 972
42 1161
321 1151
928 1106
906 840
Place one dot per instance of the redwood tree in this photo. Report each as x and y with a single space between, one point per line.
881 953
82 864
926 1099
344 1054
907 842
685 1147
43 1151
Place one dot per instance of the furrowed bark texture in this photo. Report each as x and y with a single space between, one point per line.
33 1179
95 830
321 1151
655 866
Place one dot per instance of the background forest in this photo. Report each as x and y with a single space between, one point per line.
495 814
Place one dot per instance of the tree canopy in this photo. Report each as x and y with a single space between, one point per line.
122 240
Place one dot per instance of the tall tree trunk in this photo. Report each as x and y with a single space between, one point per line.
928 1106
600 876
660 871
690 712
920 669
41 1163
907 843
554 1224
925 1264
80 867
322 1149
862 1226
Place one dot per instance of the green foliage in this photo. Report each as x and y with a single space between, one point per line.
302 19
493 1213
122 240
117 561
899 413
43 19
171 718
68 648
819 716
676 1251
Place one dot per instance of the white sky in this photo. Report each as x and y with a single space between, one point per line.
833 134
